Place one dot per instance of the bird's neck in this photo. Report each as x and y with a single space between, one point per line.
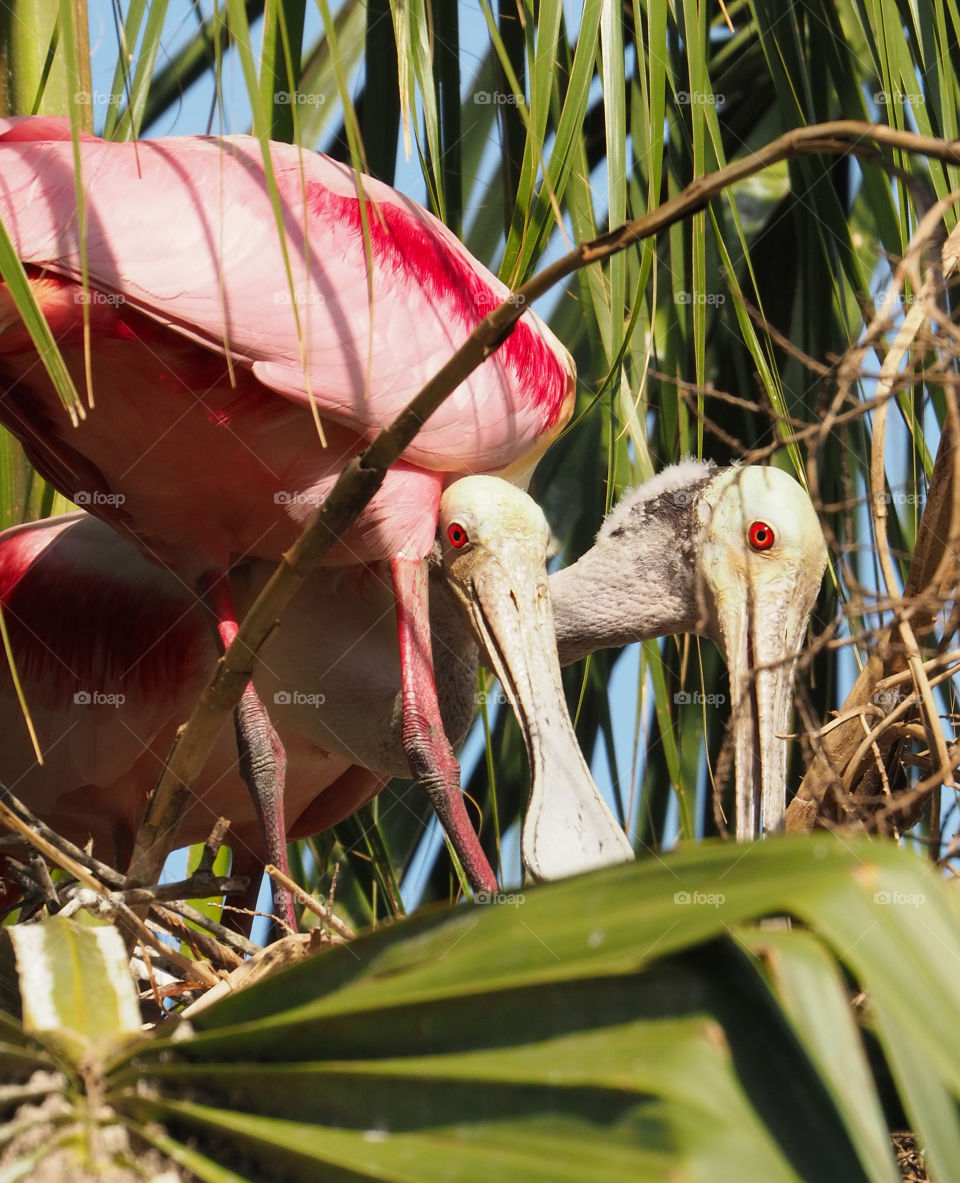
609 598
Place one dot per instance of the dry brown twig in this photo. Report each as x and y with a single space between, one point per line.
312 904
869 730
99 888
837 774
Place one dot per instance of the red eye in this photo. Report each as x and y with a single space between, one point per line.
457 535
761 536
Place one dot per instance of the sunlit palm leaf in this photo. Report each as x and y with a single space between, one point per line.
628 1024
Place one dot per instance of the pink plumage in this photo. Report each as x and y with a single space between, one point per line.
113 652
188 277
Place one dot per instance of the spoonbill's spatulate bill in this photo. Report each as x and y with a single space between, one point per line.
736 554
214 337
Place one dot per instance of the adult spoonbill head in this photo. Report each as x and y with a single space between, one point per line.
735 554
494 540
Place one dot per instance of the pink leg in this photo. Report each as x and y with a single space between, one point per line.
263 762
428 750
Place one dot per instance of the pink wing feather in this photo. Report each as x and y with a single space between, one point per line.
185 231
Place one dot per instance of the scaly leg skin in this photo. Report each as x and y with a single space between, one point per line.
263 766
263 762
427 748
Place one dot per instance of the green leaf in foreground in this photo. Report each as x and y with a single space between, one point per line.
632 1024
603 1028
76 985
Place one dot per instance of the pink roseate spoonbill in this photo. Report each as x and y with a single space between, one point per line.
689 551
216 336
735 554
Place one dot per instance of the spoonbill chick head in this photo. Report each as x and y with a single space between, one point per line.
762 562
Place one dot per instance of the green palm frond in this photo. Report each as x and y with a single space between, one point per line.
633 1023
